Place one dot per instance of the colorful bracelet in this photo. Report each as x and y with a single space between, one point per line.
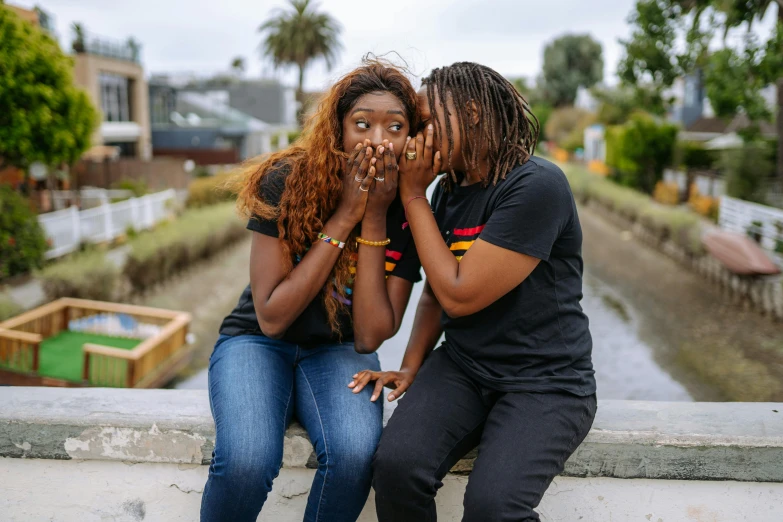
410 201
362 241
331 240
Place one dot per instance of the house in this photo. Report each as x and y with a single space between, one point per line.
112 74
218 121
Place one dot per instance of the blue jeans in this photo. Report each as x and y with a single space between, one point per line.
256 385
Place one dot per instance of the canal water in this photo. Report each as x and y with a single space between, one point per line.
628 365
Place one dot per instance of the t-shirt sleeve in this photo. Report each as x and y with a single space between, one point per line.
270 191
408 266
530 213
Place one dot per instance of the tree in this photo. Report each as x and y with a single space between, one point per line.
733 76
652 58
43 116
299 36
744 13
238 65
571 61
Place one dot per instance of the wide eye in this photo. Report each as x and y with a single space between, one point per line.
362 124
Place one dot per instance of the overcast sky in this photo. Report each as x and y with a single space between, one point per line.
202 36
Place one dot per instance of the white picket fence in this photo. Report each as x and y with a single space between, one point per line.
739 216
67 229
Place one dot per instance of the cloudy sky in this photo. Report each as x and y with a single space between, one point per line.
202 36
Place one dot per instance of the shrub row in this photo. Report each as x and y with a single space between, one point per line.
665 223
197 234
8 308
86 275
210 190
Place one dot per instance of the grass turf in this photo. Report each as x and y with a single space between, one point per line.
61 356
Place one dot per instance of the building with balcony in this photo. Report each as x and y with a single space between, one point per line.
112 74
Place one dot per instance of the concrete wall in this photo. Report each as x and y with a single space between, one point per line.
100 454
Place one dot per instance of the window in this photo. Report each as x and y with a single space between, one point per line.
115 101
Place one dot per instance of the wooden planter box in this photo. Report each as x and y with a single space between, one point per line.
151 364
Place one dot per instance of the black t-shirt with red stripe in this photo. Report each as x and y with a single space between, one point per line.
312 326
536 337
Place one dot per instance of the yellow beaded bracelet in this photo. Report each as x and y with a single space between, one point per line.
373 243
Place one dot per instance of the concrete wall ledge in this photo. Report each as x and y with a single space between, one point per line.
629 439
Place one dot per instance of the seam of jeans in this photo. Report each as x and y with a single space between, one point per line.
326 447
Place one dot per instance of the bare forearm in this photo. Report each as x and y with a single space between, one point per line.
440 265
425 334
294 293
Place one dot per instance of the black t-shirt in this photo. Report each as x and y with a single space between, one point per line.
536 337
312 326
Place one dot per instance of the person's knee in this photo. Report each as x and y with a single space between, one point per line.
350 456
247 468
494 500
397 466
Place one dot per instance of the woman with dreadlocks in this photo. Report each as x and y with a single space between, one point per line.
331 271
500 247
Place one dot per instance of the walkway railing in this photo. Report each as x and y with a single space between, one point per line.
67 229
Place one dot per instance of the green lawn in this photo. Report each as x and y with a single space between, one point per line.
61 356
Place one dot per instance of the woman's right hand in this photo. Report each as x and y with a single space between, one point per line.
357 182
398 381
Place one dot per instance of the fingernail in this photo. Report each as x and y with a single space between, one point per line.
355 375
429 127
391 398
391 147
351 383
373 397
380 150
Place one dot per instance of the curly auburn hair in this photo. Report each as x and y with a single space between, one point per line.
313 185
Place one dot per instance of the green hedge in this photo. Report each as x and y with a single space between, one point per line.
85 275
639 150
22 241
197 234
8 308
680 226
691 155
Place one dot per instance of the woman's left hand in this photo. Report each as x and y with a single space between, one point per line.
417 174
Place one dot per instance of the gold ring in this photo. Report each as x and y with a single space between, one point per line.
411 155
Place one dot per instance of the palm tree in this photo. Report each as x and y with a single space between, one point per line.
238 65
78 44
299 36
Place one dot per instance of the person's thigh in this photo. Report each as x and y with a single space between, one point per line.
526 441
438 420
251 381
344 428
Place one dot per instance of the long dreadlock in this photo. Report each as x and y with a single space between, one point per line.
506 122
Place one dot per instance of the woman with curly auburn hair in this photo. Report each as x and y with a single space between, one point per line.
332 265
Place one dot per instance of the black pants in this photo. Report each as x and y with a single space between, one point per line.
523 442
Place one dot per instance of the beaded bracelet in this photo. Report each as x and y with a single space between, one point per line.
331 240
362 241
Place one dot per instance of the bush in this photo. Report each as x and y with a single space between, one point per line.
682 227
85 275
691 155
639 150
746 171
210 190
22 241
542 111
8 308
566 127
137 186
198 234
